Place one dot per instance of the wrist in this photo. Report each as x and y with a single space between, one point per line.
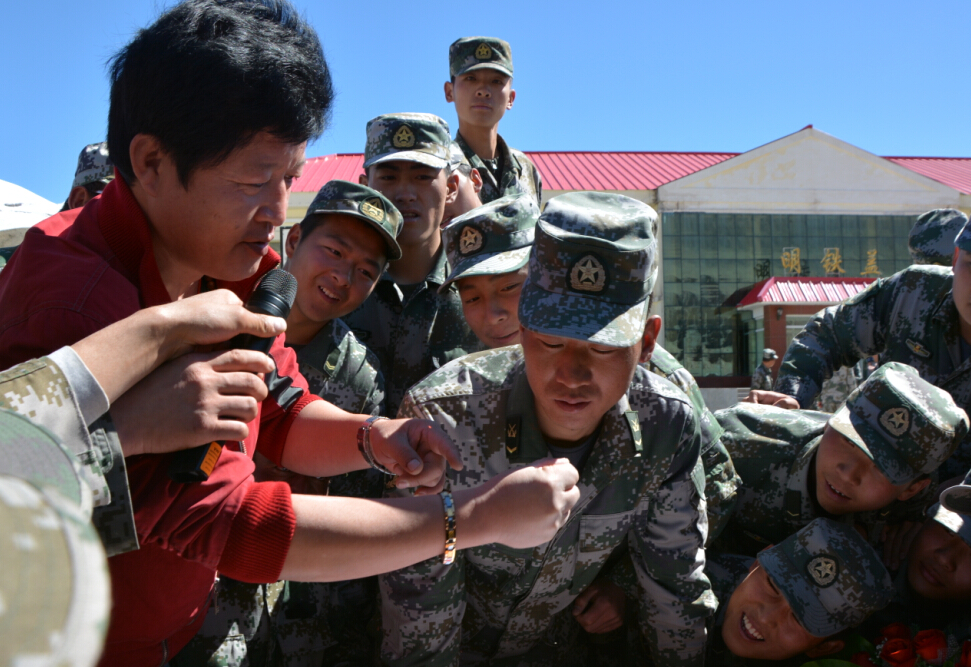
472 516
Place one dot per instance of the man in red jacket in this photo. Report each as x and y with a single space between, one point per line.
211 110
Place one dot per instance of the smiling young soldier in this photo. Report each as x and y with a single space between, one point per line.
574 388
336 253
893 433
481 88
796 597
205 165
410 324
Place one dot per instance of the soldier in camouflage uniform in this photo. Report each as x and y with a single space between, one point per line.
931 240
481 88
762 377
795 597
93 173
837 388
337 253
573 389
410 324
893 433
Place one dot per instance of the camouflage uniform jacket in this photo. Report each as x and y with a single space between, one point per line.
909 317
39 390
414 336
502 606
721 480
762 378
302 623
837 389
519 174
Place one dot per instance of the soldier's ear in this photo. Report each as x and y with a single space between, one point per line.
914 488
512 98
827 647
79 197
362 179
651 329
452 188
293 240
448 92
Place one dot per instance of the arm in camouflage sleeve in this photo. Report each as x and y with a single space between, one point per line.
835 337
666 541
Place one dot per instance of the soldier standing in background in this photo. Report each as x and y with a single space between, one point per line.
762 377
93 173
481 88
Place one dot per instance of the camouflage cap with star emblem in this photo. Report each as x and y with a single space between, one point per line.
413 137
363 203
934 234
591 269
94 165
472 53
954 510
830 576
491 239
906 425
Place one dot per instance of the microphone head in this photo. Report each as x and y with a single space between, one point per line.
274 295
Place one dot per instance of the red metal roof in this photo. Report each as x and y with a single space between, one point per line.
586 170
799 289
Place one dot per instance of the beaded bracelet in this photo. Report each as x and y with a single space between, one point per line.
364 445
450 540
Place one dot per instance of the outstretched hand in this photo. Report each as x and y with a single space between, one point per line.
775 398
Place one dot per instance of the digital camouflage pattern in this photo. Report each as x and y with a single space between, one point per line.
94 165
762 378
932 238
292 623
361 202
39 390
413 137
721 480
642 484
909 317
412 336
907 426
513 173
472 53
837 389
591 269
492 239
829 575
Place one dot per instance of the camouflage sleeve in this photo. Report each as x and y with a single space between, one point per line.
374 401
835 337
422 606
667 548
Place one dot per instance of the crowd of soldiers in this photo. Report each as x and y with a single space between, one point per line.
592 511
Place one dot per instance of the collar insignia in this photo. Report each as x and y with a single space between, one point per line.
918 349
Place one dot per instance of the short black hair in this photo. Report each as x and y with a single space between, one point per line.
209 75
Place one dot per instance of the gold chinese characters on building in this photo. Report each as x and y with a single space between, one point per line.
871 265
791 261
832 262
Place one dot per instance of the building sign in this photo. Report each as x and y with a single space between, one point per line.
791 261
832 262
762 270
871 265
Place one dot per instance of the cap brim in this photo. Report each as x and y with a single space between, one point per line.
489 265
787 578
957 499
957 523
583 318
490 65
887 460
842 423
426 159
394 250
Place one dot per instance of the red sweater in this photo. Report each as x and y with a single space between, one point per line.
76 273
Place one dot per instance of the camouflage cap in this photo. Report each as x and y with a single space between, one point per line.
413 137
906 425
456 157
364 203
954 510
768 353
592 269
830 576
963 240
933 237
491 239
471 53
94 165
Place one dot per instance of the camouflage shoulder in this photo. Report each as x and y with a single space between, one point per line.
768 433
475 374
646 382
368 359
663 362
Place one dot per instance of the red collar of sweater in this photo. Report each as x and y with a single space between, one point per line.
126 231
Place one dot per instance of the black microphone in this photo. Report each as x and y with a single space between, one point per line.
273 296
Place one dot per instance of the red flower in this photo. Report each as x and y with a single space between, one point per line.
931 645
863 659
965 655
894 631
899 653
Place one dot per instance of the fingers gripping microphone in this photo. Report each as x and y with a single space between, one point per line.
273 296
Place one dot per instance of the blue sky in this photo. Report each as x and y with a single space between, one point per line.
890 77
